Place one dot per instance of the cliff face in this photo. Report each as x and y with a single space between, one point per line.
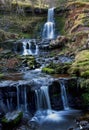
77 23
78 18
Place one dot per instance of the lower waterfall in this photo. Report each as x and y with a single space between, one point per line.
25 100
64 95
42 98
18 102
22 98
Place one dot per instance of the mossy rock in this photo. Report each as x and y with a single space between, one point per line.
11 119
1 76
48 70
85 74
80 66
30 61
84 84
57 68
85 98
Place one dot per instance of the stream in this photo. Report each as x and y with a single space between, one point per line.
29 90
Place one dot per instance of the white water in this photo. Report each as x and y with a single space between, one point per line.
42 98
49 27
30 47
25 99
18 102
8 104
64 95
22 96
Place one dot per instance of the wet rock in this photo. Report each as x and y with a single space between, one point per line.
18 46
55 95
44 44
59 42
71 128
8 44
83 123
11 119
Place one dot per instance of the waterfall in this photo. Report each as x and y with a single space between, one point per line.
49 27
22 97
3 106
64 95
8 104
30 47
25 100
18 100
42 98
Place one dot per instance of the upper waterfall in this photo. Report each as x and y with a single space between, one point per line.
49 26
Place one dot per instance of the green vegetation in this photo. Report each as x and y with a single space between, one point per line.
57 68
60 24
29 61
1 76
12 122
20 26
48 70
85 97
81 65
80 68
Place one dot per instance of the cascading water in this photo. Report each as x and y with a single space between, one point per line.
49 27
18 102
42 98
25 100
8 104
30 47
64 95
22 98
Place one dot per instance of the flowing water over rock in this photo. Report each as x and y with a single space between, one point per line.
64 95
42 98
49 27
30 90
26 47
31 93
30 47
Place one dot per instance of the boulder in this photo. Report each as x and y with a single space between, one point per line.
59 42
18 46
11 119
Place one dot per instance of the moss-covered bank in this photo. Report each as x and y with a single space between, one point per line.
57 68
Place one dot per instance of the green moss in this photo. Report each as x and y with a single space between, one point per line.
80 67
4 120
22 26
85 74
48 70
30 61
57 68
12 122
16 121
1 76
60 24
84 84
85 98
79 3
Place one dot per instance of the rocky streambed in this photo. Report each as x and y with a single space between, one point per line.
28 87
